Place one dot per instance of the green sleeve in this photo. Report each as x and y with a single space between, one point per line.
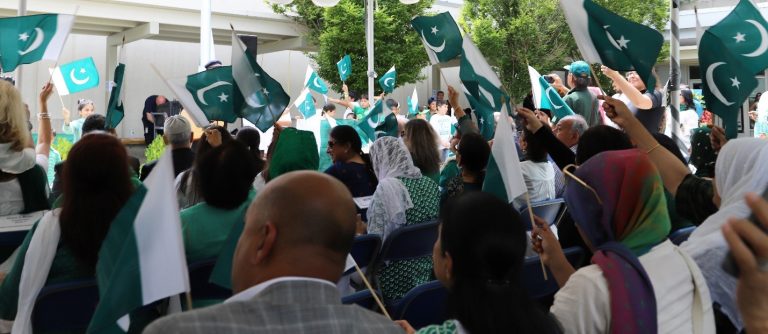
450 171
9 289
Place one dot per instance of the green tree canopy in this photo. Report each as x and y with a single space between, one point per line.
340 30
514 33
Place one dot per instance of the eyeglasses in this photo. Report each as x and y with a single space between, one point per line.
568 173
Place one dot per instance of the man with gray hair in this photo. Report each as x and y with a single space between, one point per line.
568 131
178 134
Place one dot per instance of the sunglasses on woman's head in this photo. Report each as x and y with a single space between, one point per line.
567 172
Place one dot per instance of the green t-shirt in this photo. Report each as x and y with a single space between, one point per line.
360 112
585 104
206 228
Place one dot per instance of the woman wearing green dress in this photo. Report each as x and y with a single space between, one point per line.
478 256
403 197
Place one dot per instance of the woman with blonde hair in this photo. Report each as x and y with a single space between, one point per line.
421 141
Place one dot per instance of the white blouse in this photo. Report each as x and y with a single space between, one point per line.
11 199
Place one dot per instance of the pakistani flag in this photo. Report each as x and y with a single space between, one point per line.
729 75
306 104
609 39
413 104
28 39
214 93
440 35
76 76
503 176
546 97
745 33
388 81
483 112
379 122
264 99
314 82
479 79
142 257
179 88
345 68
115 110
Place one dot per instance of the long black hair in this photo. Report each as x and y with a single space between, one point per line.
345 134
252 139
487 243
601 138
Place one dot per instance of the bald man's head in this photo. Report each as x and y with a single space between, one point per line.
301 224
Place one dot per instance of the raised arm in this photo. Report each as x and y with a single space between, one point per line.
561 154
44 132
671 169
637 98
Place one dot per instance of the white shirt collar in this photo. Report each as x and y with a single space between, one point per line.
258 288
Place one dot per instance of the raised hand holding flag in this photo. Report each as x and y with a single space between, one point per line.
388 81
345 68
314 82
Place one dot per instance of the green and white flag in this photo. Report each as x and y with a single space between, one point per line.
729 73
479 78
179 88
388 81
264 99
29 39
546 97
609 39
483 112
745 33
313 82
214 93
379 122
74 77
345 68
440 35
115 110
503 176
142 257
413 104
306 104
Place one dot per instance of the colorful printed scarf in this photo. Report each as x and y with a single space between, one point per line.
631 220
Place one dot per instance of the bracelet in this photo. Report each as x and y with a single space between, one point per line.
653 148
44 116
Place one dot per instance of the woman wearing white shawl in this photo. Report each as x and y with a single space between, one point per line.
741 167
403 197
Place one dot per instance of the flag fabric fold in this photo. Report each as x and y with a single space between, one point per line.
214 93
142 258
504 177
74 77
379 122
609 39
115 109
29 39
546 97
440 35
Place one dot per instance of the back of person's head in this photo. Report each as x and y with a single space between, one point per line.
94 122
203 146
486 242
421 140
347 135
581 73
13 123
226 175
354 95
329 107
178 131
599 139
535 150
474 151
687 95
391 103
251 138
295 150
669 144
291 231
96 185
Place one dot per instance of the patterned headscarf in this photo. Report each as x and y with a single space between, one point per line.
703 156
631 220
391 159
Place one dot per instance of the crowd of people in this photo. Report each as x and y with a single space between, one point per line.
625 185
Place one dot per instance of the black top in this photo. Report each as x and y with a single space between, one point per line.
360 181
650 118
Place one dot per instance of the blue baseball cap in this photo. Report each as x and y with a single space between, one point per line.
579 68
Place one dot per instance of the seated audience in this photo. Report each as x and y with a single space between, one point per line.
403 197
472 157
538 173
289 257
568 131
350 165
188 183
291 150
478 257
95 175
422 142
177 132
639 281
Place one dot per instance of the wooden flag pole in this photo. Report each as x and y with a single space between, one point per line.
189 300
533 223
597 79
373 292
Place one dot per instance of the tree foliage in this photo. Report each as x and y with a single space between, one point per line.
340 30
514 33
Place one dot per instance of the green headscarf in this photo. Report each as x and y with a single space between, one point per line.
295 150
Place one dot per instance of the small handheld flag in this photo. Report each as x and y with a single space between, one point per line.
413 103
388 81
313 82
440 35
29 39
77 76
345 68
306 104
115 110
546 97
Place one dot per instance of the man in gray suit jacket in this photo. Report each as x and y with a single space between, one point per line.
297 235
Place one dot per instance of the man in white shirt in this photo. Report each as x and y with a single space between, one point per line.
292 251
